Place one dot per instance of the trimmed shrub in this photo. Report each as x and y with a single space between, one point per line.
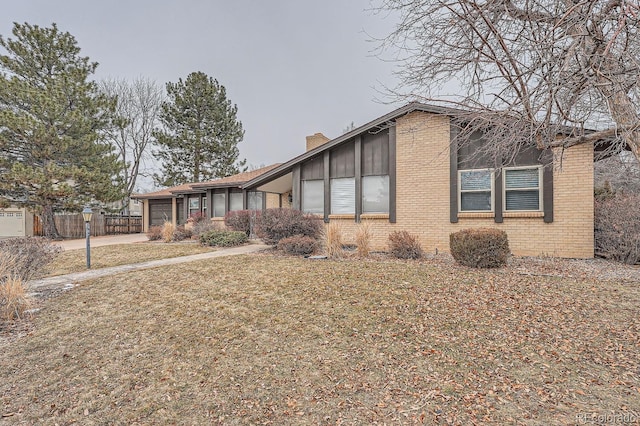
404 245
333 240
298 245
276 224
154 233
617 228
363 239
242 220
220 238
480 247
25 258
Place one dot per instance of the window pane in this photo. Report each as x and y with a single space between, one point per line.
218 205
375 194
522 200
475 201
235 201
475 180
522 178
313 196
254 200
343 196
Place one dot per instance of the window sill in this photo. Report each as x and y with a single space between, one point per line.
523 214
476 215
342 216
374 216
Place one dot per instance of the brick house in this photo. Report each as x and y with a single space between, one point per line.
398 172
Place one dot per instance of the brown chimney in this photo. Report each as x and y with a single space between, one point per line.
316 140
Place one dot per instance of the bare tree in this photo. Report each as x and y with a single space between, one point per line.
137 116
523 71
618 173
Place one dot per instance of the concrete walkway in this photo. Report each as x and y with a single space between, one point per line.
106 240
69 281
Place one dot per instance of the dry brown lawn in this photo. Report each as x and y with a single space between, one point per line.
275 340
121 254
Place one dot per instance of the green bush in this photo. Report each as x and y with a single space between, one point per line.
480 247
220 238
298 245
403 245
276 224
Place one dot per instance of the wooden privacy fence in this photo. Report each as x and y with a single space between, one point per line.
72 225
123 225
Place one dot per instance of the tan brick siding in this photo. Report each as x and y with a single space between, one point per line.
422 201
273 200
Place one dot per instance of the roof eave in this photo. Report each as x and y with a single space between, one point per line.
286 167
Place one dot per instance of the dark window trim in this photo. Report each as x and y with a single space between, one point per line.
392 174
358 176
327 185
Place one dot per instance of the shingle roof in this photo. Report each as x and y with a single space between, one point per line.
229 181
234 180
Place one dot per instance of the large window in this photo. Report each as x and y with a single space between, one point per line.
313 196
522 189
476 190
235 201
254 200
219 204
343 196
375 194
194 205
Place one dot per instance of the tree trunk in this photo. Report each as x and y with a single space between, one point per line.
49 224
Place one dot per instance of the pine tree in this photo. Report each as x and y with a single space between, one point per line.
52 153
200 132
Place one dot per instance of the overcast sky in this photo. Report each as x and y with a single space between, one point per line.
293 67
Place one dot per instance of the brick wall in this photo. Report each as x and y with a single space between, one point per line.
422 150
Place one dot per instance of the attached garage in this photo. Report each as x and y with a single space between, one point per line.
12 223
159 212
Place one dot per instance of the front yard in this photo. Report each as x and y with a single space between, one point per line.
266 339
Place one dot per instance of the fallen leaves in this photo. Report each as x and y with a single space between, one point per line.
272 340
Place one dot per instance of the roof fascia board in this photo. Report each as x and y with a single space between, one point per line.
406 109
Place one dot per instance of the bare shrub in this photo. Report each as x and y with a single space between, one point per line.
333 240
28 255
13 299
181 233
154 233
480 247
298 245
276 224
203 226
242 220
404 245
363 238
617 228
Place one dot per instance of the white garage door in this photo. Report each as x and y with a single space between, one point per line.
11 223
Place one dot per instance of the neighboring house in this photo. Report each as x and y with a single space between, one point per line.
15 222
398 172
212 199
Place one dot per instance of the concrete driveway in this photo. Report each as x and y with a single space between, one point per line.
106 240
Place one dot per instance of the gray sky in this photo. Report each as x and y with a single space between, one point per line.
293 67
